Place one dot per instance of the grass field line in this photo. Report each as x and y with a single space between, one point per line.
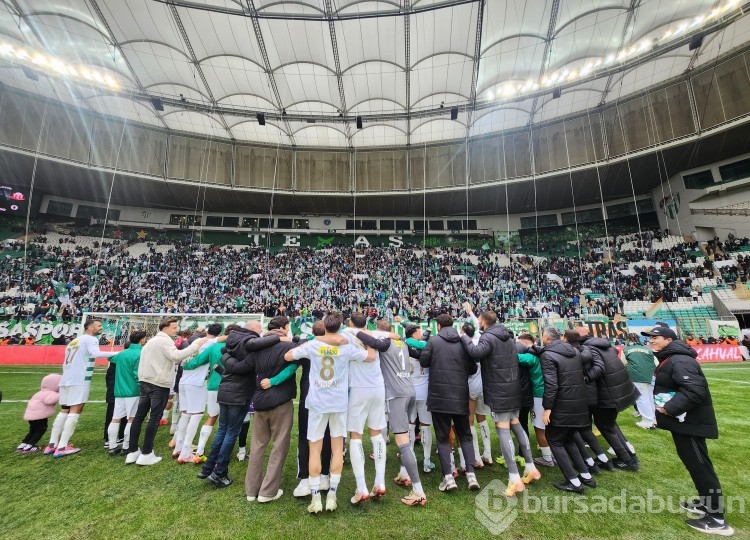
730 381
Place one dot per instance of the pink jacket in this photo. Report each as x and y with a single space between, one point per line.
42 404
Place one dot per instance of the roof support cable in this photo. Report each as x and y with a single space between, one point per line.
575 211
25 275
604 213
95 277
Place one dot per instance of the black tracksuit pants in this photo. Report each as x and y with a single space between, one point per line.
606 421
694 455
563 445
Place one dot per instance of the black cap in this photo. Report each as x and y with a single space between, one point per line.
662 331
410 329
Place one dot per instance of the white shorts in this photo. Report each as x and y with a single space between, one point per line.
212 405
536 414
193 398
366 408
317 423
481 407
475 385
76 394
505 416
125 407
425 416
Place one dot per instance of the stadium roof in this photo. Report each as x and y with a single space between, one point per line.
311 67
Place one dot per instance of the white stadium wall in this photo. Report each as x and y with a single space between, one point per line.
705 212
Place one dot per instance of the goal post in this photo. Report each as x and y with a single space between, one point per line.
117 327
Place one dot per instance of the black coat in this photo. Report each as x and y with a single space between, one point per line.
501 377
593 369
268 363
238 377
679 372
450 367
564 389
614 388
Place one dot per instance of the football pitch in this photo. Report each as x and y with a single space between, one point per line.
91 495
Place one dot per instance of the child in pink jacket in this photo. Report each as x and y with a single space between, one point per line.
41 406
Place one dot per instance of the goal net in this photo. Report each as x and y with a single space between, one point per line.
117 327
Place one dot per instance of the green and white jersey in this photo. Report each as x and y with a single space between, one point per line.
80 355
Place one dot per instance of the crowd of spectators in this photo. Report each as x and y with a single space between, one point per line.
410 282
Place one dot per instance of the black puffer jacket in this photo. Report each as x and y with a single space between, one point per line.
615 390
268 363
450 367
593 369
501 378
238 378
524 379
564 389
679 372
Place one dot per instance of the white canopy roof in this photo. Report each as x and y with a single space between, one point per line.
401 66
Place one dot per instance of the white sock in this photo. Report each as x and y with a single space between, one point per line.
514 477
179 435
589 461
529 467
175 411
417 487
378 448
484 431
57 427
427 444
126 436
333 483
448 477
112 430
203 438
453 462
475 442
68 429
546 453
357 458
315 485
630 447
575 481
402 472
165 414
586 476
190 431
603 458
461 458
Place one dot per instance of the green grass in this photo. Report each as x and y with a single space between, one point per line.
91 495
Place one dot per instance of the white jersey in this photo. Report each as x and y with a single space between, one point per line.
419 377
197 376
475 381
329 374
80 355
365 374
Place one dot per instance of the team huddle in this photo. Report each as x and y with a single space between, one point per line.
356 381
